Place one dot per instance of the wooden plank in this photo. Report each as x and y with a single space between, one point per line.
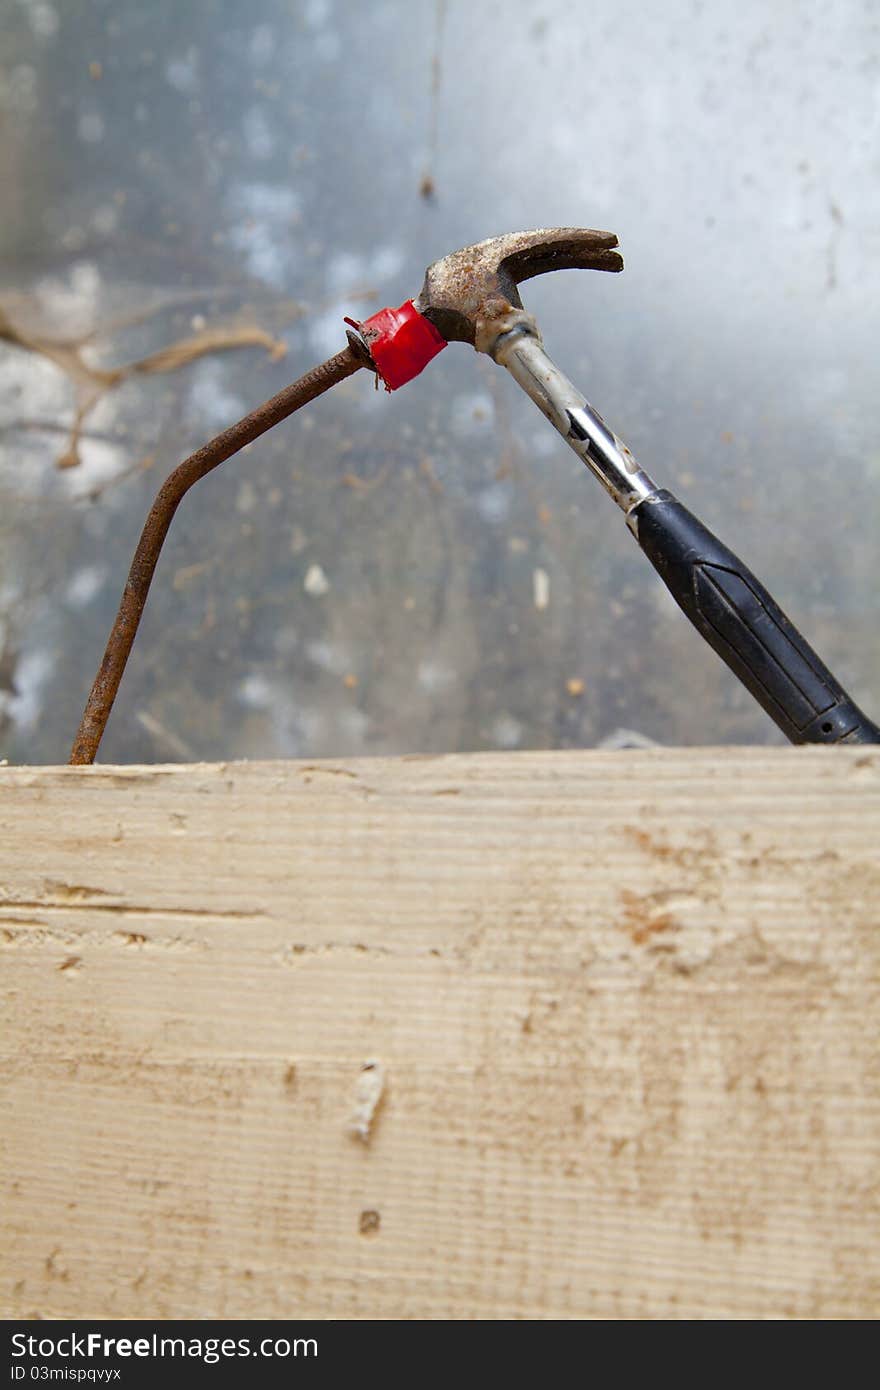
625 1003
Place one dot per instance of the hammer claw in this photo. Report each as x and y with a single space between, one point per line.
478 284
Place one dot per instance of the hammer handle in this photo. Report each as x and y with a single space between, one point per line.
735 614
723 599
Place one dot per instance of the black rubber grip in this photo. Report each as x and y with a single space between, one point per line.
736 615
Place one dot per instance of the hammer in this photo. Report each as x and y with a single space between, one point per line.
471 297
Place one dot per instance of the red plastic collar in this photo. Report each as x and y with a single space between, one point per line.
401 343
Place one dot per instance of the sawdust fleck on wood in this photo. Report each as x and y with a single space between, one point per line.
369 1092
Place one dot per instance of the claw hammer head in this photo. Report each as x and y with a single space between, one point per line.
468 295
471 296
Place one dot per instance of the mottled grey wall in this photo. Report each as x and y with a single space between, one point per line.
266 164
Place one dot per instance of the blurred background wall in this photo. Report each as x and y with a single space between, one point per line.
432 570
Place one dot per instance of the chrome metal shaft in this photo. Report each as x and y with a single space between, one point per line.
521 351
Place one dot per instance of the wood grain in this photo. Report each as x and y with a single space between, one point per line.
624 1007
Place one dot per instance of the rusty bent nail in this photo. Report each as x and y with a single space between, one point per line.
173 490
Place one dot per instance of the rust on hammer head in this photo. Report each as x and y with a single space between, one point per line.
477 285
